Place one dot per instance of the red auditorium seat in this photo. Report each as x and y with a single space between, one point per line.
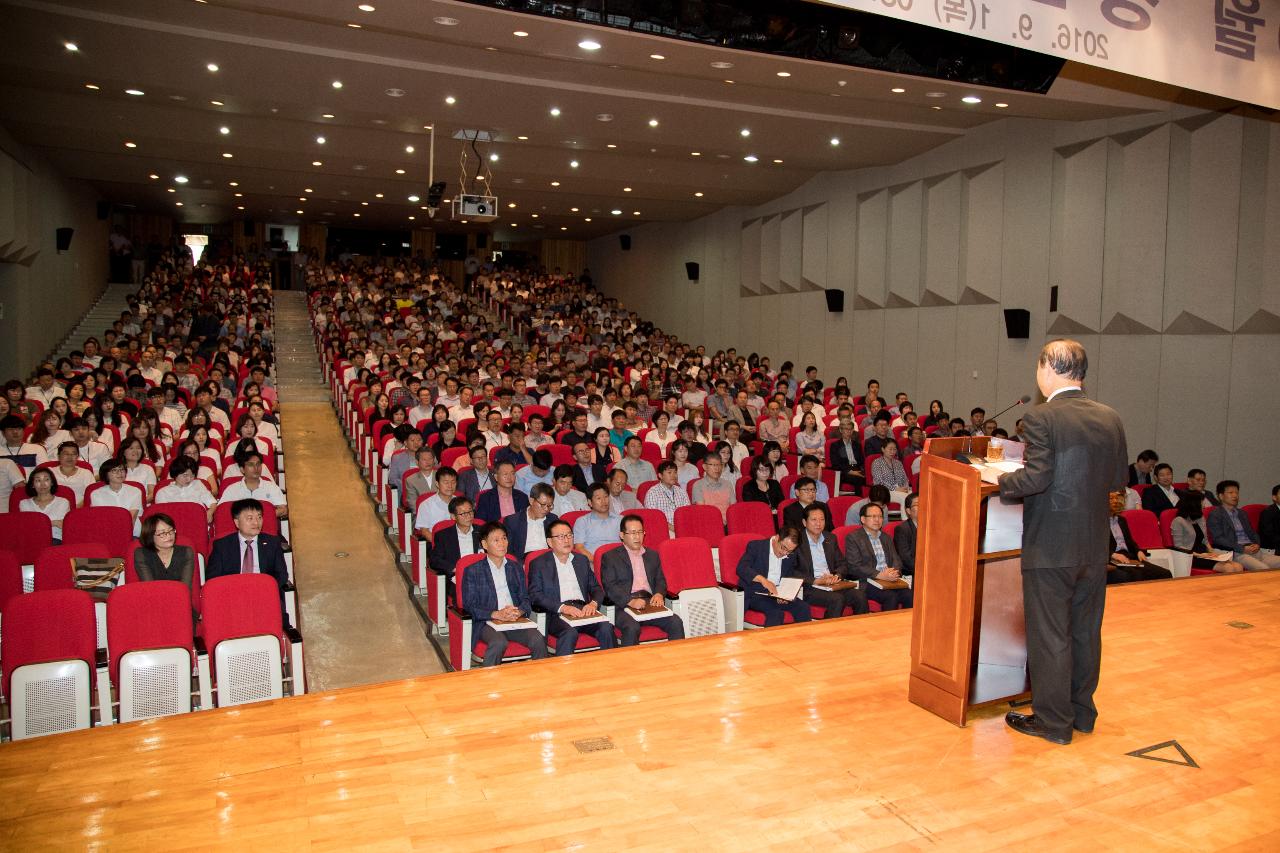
26 534
1144 527
111 526
461 625
151 653
703 522
50 649
656 530
751 517
189 519
244 635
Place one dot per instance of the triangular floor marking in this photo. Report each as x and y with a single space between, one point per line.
1145 753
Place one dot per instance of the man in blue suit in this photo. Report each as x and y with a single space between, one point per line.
764 563
249 550
562 584
527 530
494 590
489 503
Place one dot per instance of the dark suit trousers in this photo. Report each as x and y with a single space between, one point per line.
1142 571
1064 643
630 628
775 611
496 642
891 599
567 636
834 602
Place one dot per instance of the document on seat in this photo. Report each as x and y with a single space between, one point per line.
879 584
649 613
518 625
1219 556
788 589
585 620
836 587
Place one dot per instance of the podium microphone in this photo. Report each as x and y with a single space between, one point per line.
1023 400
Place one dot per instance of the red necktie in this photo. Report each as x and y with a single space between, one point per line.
246 565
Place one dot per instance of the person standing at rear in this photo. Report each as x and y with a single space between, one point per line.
1075 456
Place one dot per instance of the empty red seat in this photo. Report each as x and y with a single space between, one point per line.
751 517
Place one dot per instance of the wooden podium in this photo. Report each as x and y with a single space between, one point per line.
968 637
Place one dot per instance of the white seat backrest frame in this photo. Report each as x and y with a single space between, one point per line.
154 683
248 669
50 698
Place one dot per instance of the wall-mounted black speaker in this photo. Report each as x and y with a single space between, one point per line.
1017 323
691 270
104 209
624 240
64 239
1053 299
248 228
835 300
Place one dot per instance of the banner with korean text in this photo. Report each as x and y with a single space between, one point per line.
1224 47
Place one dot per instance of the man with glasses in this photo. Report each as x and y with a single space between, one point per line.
764 563
821 564
562 584
632 578
871 556
454 543
806 493
527 530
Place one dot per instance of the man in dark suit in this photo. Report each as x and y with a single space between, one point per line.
527 530
806 499
1142 471
562 584
489 503
904 535
249 550
1229 527
870 555
764 563
632 577
846 457
454 543
1161 495
494 590
1128 562
818 561
585 470
1075 457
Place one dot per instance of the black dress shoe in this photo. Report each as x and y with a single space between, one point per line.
1027 724
1084 730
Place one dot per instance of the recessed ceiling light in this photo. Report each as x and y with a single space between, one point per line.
573 164
653 122
604 117
356 215
227 154
153 176
555 183
71 46
92 86
611 145
134 92
897 90
178 203
180 179
635 213
170 190
364 204
935 94
589 44
131 145
730 82
414 199
399 171
308 190
564 228
213 67
337 84
1002 106
300 198
493 158
835 140
377 195
224 130
355 27
299 212
408 149
573 210
695 153
533 215
238 195
935 108
511 205
451 100
522 138
626 189
233 183
616 212
445 21
745 132
751 158
327 115
366 7
784 73
555 111
239 207
697 195
722 64
656 56
217 103
520 34
394 93
971 99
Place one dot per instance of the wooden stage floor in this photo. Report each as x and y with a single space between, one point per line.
764 740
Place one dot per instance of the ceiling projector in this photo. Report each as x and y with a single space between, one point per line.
481 208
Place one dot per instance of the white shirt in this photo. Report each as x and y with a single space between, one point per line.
535 539
499 575
127 498
26 448
267 492
570 589
775 565
57 510
95 453
431 512
77 482
574 501
10 478
143 474
193 492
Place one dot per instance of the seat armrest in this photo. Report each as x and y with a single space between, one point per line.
289 587
199 646
673 596
729 586
460 613
292 634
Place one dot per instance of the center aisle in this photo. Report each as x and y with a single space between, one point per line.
358 622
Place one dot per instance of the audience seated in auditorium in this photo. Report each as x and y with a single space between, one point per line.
763 565
563 584
453 543
1269 522
1229 527
475 479
254 485
1188 533
846 457
435 509
872 557
713 488
1141 470
599 526
1160 496
621 498
762 488
537 471
821 564
41 497
494 590
807 497
667 495
638 470
568 499
633 580
504 498
527 530
904 535
421 481
115 492
159 557
185 488
585 469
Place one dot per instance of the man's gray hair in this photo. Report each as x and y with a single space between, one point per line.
1066 358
